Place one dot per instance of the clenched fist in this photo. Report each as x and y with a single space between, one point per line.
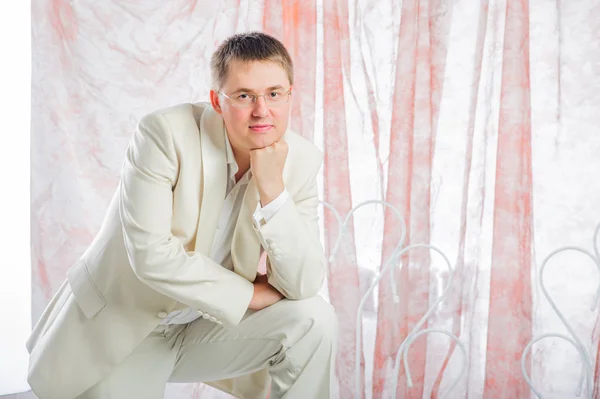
267 169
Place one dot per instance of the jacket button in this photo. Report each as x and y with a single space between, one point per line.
162 315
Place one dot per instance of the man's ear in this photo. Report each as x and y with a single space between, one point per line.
215 101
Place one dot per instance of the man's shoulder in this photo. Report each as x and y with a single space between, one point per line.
182 112
303 146
303 153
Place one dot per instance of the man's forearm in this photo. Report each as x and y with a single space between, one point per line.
296 263
268 194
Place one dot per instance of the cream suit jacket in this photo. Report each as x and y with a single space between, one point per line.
150 256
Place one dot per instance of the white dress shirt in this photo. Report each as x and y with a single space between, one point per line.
221 248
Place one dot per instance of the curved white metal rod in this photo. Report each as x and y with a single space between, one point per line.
385 204
342 227
384 270
395 295
583 361
426 316
342 231
547 295
413 337
587 360
387 267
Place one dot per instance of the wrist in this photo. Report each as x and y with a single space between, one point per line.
270 192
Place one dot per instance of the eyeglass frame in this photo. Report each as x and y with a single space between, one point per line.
256 96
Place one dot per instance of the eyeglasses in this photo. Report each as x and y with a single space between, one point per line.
243 100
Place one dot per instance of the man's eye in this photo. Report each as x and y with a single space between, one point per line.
275 94
243 96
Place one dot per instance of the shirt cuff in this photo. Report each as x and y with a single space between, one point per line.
263 215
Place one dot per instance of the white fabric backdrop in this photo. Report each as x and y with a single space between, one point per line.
99 67
15 269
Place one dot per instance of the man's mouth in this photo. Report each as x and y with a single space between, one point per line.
261 127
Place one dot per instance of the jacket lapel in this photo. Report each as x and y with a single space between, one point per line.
245 246
214 178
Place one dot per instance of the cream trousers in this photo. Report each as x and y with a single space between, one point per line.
295 341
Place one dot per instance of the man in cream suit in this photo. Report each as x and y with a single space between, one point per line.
168 289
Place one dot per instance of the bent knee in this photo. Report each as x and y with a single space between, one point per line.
320 315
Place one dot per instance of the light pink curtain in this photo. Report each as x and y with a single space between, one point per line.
477 120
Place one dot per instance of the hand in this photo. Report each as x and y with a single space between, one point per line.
267 169
264 294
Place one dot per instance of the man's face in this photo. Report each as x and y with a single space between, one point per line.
263 123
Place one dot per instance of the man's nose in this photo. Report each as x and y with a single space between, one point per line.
260 107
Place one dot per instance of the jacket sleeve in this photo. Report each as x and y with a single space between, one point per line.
296 262
157 257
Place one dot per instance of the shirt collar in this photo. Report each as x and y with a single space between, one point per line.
232 165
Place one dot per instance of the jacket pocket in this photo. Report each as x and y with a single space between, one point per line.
87 295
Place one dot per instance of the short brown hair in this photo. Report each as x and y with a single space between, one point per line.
249 46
